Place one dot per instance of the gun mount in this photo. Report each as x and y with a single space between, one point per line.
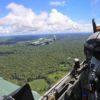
57 92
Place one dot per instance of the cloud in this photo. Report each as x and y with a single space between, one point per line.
24 20
58 3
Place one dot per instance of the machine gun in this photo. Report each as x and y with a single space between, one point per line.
66 84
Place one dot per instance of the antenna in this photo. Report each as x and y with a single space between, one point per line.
95 27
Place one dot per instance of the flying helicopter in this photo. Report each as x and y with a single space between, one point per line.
44 41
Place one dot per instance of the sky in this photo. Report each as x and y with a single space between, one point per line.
47 16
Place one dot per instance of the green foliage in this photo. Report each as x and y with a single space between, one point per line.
53 78
41 66
39 85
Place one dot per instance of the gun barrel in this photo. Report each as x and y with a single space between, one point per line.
58 90
53 89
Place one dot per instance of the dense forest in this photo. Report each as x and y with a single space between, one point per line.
42 66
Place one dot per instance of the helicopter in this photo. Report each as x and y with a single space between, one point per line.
44 41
